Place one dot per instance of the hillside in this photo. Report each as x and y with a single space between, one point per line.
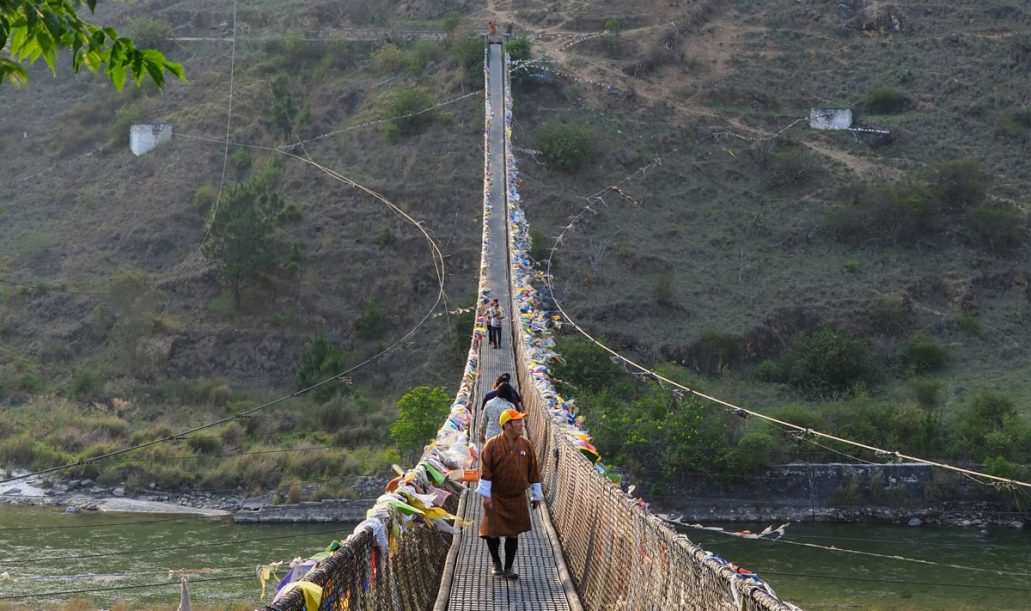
744 238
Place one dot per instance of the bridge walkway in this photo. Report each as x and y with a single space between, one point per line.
472 587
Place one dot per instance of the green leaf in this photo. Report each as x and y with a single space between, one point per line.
117 74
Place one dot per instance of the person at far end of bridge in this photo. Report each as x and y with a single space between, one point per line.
508 467
494 317
493 25
504 378
490 424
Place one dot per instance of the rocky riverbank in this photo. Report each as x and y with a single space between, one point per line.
87 495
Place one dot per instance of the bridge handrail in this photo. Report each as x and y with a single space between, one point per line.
364 571
619 556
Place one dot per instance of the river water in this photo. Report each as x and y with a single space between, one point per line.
997 574
50 558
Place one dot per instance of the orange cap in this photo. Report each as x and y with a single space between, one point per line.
510 414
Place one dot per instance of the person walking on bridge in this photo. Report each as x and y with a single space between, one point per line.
504 378
503 399
508 467
494 317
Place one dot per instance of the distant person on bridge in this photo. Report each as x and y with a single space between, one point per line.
494 317
504 378
508 467
504 399
493 27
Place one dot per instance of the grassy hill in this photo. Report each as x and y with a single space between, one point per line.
748 237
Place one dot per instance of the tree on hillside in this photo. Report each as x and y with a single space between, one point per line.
30 29
423 410
240 229
321 360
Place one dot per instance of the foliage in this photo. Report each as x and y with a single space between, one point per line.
540 247
566 147
584 364
131 302
31 29
900 213
890 314
319 361
390 59
240 234
125 117
717 352
924 355
664 293
1000 229
828 363
518 49
885 100
385 238
462 332
423 53
422 412
990 426
282 109
372 323
149 33
469 53
85 384
409 113
960 184
450 22
612 26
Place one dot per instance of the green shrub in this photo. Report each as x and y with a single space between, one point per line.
205 442
901 213
282 108
961 184
125 117
828 363
423 53
409 113
204 197
584 364
1000 467
149 33
85 385
385 238
989 425
968 322
566 147
469 54
390 59
372 323
927 393
240 160
1013 122
518 49
753 453
1000 229
885 100
450 22
717 351
540 246
923 355
422 411
890 315
664 291
612 26
769 371
320 360
30 383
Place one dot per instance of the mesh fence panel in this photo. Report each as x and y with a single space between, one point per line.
619 556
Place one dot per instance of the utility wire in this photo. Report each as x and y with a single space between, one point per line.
229 121
806 431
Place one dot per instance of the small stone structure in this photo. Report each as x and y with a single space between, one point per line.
145 137
830 118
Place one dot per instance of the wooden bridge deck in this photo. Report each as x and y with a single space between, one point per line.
542 584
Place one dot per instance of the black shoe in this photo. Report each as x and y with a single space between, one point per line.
512 575
497 570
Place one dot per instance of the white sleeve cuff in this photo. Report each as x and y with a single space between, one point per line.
537 494
484 488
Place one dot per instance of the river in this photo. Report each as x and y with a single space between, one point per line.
816 578
50 558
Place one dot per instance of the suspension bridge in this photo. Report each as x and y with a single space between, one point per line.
592 546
